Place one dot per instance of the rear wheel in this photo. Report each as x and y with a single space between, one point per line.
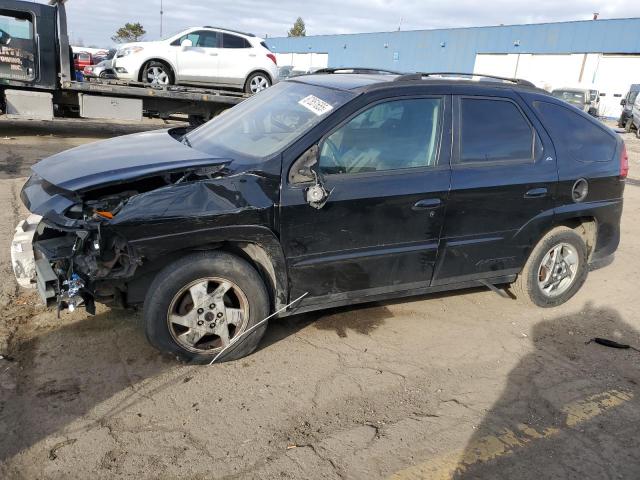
555 270
157 73
199 305
257 82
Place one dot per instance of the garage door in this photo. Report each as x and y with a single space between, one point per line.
613 76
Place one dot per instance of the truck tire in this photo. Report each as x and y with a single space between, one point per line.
555 270
157 73
201 303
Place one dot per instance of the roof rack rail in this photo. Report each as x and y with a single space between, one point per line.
229 30
421 75
361 70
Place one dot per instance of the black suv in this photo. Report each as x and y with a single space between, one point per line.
327 190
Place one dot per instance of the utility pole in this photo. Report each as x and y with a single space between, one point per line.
161 13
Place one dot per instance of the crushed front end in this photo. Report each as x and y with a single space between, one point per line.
66 249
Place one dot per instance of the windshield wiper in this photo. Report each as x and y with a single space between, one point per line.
186 141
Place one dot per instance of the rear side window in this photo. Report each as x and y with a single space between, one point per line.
493 130
583 139
233 41
264 44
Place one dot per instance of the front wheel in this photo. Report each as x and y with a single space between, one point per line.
555 270
202 303
157 73
257 82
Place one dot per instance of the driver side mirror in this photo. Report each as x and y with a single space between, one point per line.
186 43
301 170
623 102
306 170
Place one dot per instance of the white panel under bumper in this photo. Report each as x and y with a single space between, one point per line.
22 256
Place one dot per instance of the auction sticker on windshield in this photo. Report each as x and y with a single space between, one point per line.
315 104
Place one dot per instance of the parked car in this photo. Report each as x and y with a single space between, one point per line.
82 60
635 116
104 69
326 190
626 117
200 56
585 99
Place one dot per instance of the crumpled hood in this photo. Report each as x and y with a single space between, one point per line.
120 159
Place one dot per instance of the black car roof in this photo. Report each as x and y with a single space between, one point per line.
369 81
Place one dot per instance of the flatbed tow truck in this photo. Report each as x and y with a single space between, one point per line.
37 77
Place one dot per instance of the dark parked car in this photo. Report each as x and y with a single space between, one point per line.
327 190
626 117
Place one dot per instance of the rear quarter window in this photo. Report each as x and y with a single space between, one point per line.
583 139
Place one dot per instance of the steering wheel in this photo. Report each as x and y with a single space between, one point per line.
332 156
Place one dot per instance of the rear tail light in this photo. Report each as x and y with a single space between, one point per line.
272 57
624 162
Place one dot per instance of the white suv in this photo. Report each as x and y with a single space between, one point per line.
200 56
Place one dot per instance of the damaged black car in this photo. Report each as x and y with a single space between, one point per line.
325 190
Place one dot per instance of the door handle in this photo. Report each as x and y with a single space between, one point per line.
426 204
213 54
536 193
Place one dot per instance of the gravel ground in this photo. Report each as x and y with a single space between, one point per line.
458 385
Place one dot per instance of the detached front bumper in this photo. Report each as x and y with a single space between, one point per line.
30 268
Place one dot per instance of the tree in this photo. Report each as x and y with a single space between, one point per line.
298 29
131 32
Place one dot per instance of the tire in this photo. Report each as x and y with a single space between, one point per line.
638 132
169 297
628 126
528 284
257 82
157 73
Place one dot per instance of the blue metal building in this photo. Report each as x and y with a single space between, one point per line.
455 49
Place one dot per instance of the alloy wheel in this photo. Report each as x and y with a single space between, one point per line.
557 270
157 76
258 83
207 314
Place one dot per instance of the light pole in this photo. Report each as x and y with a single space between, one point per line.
161 12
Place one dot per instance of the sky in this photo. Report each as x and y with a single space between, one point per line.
93 22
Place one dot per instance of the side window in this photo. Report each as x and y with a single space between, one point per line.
233 41
388 136
17 47
494 131
193 36
208 40
583 139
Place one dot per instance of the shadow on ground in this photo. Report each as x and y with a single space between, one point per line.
569 409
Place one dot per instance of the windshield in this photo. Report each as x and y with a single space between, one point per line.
632 97
571 96
269 121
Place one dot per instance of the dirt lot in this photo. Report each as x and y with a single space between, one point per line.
463 385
